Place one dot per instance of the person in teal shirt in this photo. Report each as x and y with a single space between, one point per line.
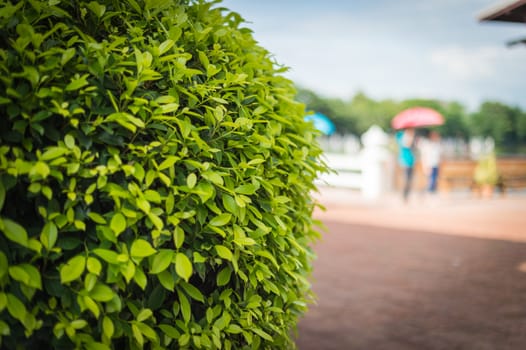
406 158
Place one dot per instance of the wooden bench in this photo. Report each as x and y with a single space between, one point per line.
458 174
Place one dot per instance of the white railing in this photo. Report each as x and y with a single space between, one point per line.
368 171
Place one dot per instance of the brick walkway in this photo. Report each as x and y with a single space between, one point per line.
440 274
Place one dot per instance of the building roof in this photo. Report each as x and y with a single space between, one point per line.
507 11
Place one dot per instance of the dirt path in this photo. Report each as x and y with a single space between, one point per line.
398 287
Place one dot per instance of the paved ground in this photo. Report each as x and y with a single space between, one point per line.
440 273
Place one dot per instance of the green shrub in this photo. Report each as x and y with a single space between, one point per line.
155 174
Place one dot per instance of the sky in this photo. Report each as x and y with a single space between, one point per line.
389 49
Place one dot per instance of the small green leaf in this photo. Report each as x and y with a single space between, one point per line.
230 204
49 235
97 8
2 195
118 223
137 335
185 306
35 280
3 301
183 266
67 55
178 237
192 291
161 261
97 218
191 180
167 280
91 305
73 269
221 220
94 266
223 252
141 249
223 277
14 232
204 190
107 255
77 82
140 278
165 46
16 308
168 162
246 189
69 141
101 292
4 265
107 327
262 334
144 314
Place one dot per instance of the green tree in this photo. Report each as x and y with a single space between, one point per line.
155 173
503 123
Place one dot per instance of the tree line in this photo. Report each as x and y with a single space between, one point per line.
505 124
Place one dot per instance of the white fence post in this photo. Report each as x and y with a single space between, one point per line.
376 163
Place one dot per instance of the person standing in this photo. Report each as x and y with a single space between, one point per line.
406 158
430 156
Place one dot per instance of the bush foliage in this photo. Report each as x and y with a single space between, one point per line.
155 173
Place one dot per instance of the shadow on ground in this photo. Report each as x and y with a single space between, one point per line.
390 289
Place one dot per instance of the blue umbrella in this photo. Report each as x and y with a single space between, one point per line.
322 123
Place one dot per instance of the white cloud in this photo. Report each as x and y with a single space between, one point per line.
466 64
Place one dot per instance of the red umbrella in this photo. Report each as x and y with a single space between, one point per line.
416 117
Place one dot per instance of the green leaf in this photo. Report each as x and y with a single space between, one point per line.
27 274
3 301
185 307
165 46
147 331
67 55
118 223
223 252
204 190
16 308
137 334
14 232
2 195
191 180
101 292
230 204
262 334
141 249
73 269
49 235
178 237
107 255
168 162
126 120
144 314
107 327
161 261
167 280
97 218
91 305
223 277
4 265
246 189
183 266
94 266
97 8
192 291
221 220
77 82
140 278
